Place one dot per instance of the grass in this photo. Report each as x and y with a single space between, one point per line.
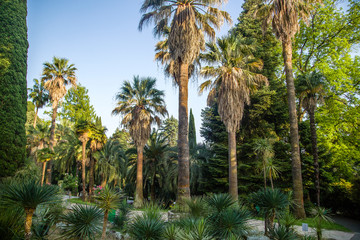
79 201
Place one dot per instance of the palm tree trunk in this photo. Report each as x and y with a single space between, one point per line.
264 177
233 180
43 173
51 142
28 222
315 155
91 176
271 181
183 141
139 197
294 134
103 235
83 175
36 114
152 187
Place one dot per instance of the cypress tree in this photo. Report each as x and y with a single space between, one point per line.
192 134
13 67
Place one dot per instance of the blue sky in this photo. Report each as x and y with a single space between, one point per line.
102 39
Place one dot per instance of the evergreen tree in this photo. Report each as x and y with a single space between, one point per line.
13 67
192 134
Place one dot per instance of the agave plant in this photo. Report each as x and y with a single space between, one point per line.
27 195
197 207
82 222
272 203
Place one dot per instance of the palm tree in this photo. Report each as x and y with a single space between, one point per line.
284 16
155 153
263 148
83 132
44 155
82 222
272 203
140 104
27 195
107 200
190 19
57 76
39 96
97 141
311 91
233 69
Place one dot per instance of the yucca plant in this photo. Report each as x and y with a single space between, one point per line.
148 226
194 229
107 200
321 216
282 233
170 232
226 219
27 195
197 207
121 216
272 203
82 222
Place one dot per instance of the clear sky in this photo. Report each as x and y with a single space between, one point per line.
102 39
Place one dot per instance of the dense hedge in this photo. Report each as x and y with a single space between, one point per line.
13 66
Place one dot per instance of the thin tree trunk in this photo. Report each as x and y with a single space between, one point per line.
264 177
28 222
233 178
294 134
315 155
152 187
183 141
51 143
271 181
36 114
83 175
91 177
43 173
139 197
103 235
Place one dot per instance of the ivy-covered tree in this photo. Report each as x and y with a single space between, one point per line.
13 68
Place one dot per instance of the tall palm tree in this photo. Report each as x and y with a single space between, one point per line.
27 195
83 131
311 91
188 21
39 96
141 105
284 17
97 141
57 76
107 200
232 68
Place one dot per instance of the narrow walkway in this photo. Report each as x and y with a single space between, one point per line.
352 224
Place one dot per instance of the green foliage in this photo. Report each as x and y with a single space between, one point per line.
13 67
108 199
76 105
82 222
121 218
321 216
27 194
70 183
192 134
282 233
148 226
195 230
169 129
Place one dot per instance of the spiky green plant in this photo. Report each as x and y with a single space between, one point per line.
170 232
197 207
220 202
197 229
321 216
282 233
107 200
27 195
272 203
148 226
82 222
